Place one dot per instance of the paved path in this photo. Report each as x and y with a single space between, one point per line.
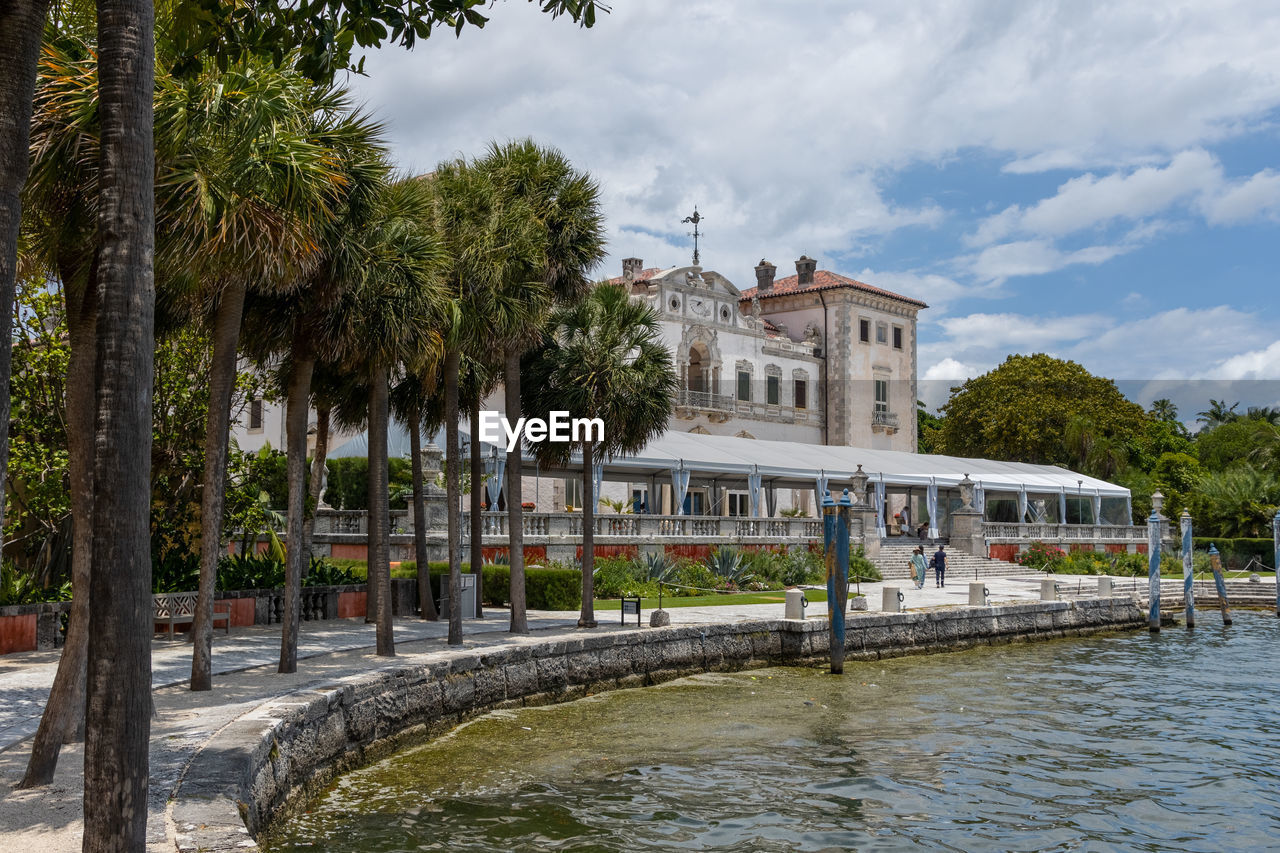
245 677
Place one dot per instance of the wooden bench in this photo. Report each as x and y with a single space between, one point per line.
179 608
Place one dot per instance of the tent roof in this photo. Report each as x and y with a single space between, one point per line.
794 464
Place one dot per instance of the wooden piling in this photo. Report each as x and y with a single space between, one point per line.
1215 563
1153 571
1188 572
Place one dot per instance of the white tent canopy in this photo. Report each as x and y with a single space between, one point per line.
797 465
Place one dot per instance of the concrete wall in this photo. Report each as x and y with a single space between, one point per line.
276 757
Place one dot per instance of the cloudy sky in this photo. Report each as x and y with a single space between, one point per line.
1100 181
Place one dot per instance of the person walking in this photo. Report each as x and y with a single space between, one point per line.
918 566
940 566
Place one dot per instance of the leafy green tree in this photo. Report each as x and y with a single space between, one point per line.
1233 442
1237 502
602 358
1035 408
928 427
1177 475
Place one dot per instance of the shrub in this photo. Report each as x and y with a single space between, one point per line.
553 589
726 562
325 573
614 577
1238 553
860 568
804 566
19 587
1040 556
347 485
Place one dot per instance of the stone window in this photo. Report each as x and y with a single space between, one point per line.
882 395
864 330
739 503
802 394
897 337
882 333
773 384
744 381
255 415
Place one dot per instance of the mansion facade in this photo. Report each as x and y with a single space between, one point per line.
816 357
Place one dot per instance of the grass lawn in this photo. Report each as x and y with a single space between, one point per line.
774 596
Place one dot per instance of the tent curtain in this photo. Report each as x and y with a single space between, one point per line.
771 501
753 487
597 476
820 485
931 504
680 485
1128 510
880 508
1022 505
1062 506
980 499
1097 508
495 468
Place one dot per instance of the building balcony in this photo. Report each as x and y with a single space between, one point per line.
690 404
884 421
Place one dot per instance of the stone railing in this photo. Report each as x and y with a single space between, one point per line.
355 521
1000 531
555 528
707 400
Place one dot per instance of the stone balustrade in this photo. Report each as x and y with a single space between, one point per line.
1008 532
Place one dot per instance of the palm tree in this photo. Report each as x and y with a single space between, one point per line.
566 203
1268 414
602 358
385 323
1238 502
293 325
1218 414
1163 410
118 696
258 213
485 236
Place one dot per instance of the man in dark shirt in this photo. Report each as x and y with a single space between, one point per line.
940 566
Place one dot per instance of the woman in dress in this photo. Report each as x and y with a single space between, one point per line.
918 566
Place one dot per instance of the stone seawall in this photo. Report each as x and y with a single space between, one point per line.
277 756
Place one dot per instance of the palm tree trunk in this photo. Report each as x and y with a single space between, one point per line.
297 556
118 703
63 718
21 27
515 521
317 477
379 509
452 473
477 495
222 380
426 601
588 617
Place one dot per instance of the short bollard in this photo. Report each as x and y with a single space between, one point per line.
796 603
979 596
892 601
1104 588
1048 590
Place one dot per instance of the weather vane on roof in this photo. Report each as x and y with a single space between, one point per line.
695 219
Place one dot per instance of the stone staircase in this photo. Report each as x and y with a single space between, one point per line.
893 560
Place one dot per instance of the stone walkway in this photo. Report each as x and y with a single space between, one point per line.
245 677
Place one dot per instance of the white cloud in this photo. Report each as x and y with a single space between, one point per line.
1256 364
1089 201
949 369
786 123
1035 257
1241 201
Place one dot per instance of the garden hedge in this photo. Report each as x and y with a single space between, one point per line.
545 589
1236 553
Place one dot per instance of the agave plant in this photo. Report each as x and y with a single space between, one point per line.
728 564
658 567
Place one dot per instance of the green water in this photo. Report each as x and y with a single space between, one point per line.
1128 742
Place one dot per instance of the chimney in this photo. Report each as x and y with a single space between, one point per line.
804 270
764 276
631 266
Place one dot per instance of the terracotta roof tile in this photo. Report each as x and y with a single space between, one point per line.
824 280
